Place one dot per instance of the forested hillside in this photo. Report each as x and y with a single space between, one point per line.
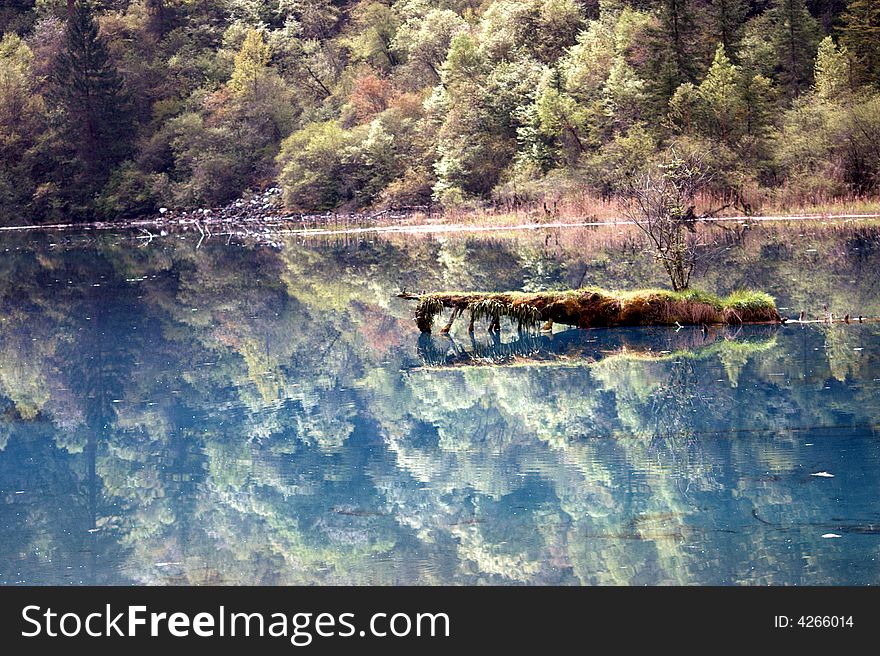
113 108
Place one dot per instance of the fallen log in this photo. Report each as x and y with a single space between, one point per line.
593 307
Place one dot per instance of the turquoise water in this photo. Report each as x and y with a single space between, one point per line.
239 413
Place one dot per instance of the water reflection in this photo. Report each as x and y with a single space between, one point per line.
579 346
238 414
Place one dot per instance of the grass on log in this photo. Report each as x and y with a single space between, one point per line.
594 307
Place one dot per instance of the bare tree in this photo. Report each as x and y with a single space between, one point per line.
661 202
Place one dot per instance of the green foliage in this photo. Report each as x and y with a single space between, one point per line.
757 95
831 74
795 38
372 40
508 29
137 104
251 64
623 97
675 45
728 117
612 168
727 20
476 108
94 118
749 300
593 306
424 41
825 145
22 118
860 33
719 90
131 193
314 167
563 119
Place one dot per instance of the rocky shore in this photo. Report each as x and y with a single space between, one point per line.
259 215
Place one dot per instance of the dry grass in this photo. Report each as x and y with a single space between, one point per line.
588 208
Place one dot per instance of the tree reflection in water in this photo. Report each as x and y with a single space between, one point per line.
241 414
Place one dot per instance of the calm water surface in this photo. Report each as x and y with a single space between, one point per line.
240 413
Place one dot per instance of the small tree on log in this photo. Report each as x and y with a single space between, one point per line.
661 202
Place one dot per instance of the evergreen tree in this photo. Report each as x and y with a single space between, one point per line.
674 42
95 115
726 18
719 92
827 12
622 96
795 39
860 34
756 93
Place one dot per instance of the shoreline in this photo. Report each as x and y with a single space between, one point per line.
292 225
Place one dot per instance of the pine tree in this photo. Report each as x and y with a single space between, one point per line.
795 39
860 34
827 12
720 93
95 118
679 30
756 94
726 22
675 44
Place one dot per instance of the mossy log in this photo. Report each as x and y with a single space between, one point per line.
593 307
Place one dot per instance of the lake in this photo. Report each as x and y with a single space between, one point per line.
181 410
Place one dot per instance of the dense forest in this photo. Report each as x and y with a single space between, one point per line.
115 108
